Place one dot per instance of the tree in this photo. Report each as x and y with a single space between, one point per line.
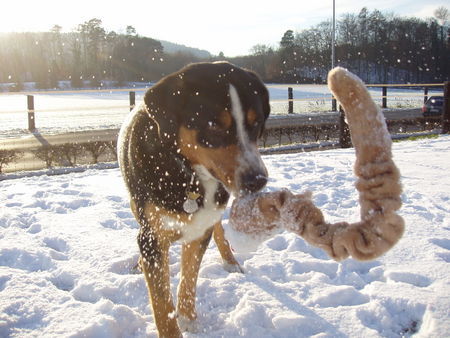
93 37
442 14
379 47
260 53
41 68
57 58
287 41
346 28
76 73
131 31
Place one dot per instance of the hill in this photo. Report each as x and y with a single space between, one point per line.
171 47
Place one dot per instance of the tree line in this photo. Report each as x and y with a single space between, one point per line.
379 47
88 56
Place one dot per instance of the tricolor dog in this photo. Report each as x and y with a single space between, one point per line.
182 152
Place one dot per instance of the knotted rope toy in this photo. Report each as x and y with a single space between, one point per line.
378 183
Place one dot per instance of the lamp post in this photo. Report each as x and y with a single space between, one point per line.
333 101
333 36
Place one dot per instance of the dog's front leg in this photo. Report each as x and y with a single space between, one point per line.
229 261
191 258
155 266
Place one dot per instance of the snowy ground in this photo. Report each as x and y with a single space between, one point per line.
75 111
67 246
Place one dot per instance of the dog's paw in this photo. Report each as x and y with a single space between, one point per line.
233 268
188 325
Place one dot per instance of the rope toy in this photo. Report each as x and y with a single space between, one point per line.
378 183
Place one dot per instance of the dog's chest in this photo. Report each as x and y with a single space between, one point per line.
205 216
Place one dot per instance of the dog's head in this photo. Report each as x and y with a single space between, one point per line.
212 114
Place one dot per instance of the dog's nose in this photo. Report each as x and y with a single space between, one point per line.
251 182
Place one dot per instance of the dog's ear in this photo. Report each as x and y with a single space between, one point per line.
164 102
262 92
265 101
266 107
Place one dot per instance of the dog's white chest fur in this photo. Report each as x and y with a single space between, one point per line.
205 217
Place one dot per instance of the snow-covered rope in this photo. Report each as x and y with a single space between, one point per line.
378 184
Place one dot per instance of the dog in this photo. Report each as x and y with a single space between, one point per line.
191 144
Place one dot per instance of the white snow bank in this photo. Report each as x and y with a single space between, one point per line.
68 246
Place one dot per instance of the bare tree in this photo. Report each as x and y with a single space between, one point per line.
442 14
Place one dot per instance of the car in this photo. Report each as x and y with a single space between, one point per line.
433 106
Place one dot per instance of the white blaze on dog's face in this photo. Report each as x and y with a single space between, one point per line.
251 174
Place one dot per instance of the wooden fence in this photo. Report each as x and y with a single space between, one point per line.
280 130
290 98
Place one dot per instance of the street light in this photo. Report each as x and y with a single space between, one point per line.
333 101
333 36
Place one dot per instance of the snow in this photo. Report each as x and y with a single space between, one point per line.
67 112
68 248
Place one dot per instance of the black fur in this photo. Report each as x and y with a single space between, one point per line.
148 246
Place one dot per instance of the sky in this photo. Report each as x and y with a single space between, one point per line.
232 27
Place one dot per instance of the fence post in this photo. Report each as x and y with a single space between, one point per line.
290 100
344 132
132 100
384 92
31 117
333 104
446 109
425 94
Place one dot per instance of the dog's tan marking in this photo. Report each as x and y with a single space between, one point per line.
211 158
224 247
251 117
225 119
158 282
191 257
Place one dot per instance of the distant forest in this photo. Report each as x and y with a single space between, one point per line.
379 47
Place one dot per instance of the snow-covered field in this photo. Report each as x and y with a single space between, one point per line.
75 111
59 113
68 245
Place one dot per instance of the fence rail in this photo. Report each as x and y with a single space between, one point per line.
280 129
74 91
384 96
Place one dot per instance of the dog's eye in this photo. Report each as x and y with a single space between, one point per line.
213 126
255 129
214 134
